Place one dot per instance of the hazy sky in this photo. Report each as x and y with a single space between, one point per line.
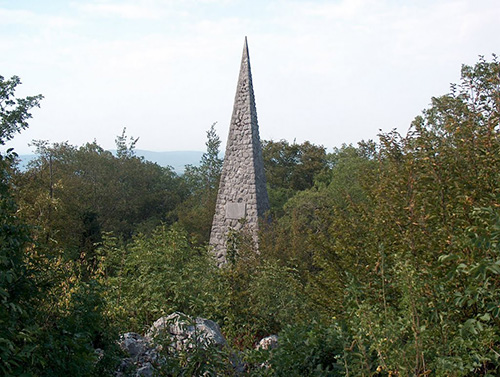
327 71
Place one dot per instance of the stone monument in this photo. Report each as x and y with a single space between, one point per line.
242 198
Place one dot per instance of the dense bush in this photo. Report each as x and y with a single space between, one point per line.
155 275
309 350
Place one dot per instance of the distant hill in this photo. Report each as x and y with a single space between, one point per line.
177 159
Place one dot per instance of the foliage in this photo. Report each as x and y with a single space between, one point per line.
197 211
15 287
258 296
309 350
417 205
290 168
383 259
123 150
382 242
156 275
50 318
14 112
476 300
73 194
74 336
198 355
16 328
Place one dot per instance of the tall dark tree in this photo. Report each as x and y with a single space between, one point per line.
16 287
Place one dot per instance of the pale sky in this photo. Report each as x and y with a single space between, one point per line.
327 71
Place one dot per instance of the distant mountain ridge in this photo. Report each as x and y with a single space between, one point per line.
175 159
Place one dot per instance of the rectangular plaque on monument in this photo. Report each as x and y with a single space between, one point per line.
236 211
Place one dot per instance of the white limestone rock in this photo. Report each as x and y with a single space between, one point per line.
268 343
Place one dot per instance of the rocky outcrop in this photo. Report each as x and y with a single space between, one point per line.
141 353
174 333
186 332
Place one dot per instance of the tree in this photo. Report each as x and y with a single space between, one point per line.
155 275
290 168
16 287
211 163
73 194
14 112
315 220
122 149
197 212
398 241
414 273
50 318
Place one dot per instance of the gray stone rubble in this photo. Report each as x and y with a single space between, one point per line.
177 331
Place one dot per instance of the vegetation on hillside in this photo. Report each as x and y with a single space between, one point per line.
382 259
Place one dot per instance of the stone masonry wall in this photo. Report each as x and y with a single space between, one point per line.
242 198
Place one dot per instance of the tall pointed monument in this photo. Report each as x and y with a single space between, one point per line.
242 198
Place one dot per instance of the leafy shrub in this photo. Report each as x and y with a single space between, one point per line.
156 275
303 350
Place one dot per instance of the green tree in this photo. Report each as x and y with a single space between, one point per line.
73 194
16 287
124 150
315 220
397 241
50 318
420 207
202 182
290 168
14 112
